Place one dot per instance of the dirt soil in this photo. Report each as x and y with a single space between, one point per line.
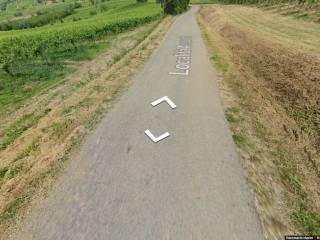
270 84
64 115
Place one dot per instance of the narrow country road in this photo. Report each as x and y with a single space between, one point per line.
190 185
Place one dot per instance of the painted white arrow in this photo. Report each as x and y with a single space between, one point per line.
156 139
165 98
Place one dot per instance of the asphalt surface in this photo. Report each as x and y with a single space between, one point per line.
189 185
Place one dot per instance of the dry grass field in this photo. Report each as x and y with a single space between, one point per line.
270 82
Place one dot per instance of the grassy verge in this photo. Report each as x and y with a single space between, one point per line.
272 142
77 106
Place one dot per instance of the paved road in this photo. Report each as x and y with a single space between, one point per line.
187 186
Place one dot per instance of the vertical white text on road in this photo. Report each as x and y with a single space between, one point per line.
183 56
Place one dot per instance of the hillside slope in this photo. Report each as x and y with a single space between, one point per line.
50 102
270 81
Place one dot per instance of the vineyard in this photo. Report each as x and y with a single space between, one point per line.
28 44
33 58
40 19
58 79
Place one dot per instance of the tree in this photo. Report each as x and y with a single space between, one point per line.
174 6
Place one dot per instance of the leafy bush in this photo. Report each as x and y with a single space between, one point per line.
93 12
18 14
77 5
40 12
103 8
175 6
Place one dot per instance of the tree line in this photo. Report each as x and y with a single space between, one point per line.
172 6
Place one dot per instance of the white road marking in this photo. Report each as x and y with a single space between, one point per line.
156 139
183 56
160 100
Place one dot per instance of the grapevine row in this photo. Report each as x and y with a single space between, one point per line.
29 46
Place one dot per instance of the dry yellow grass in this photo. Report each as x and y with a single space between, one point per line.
291 32
270 79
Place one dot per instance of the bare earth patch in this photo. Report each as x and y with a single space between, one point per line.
55 122
270 84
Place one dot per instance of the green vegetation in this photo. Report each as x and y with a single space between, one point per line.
12 208
33 147
174 6
42 18
232 115
308 221
239 140
17 128
204 1
32 57
74 117
231 118
23 79
3 172
38 43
